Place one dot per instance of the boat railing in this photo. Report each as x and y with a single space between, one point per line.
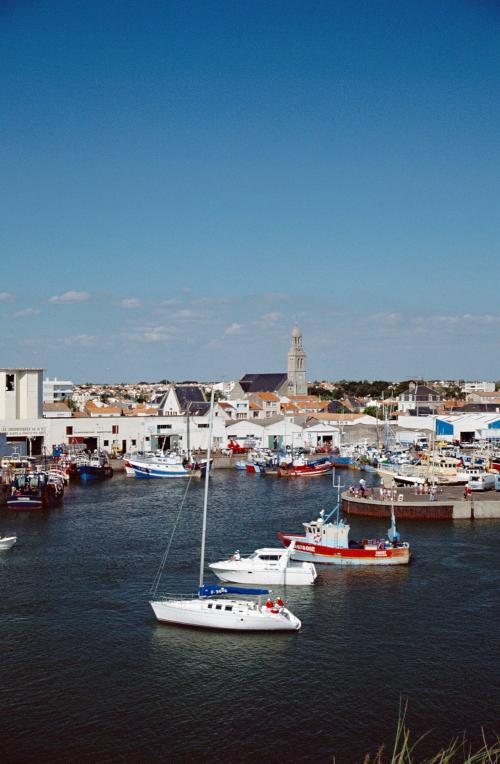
166 596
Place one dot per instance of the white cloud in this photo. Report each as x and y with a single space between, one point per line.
130 302
186 314
386 317
269 319
26 312
234 329
276 296
82 340
150 334
70 296
4 296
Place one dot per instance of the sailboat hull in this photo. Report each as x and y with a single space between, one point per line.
224 615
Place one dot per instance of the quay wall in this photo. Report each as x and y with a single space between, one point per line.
403 510
459 509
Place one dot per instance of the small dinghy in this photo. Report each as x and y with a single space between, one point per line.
6 542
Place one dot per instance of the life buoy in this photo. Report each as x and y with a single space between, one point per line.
317 538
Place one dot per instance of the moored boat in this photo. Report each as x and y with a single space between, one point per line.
269 566
7 542
328 542
302 468
158 465
35 490
96 467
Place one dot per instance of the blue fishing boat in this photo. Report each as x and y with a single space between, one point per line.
96 467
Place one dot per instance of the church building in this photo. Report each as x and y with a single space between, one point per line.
294 382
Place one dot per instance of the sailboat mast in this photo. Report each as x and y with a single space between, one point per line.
205 495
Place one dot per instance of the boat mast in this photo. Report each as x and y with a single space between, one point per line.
205 495
188 432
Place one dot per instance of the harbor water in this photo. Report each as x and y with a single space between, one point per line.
89 675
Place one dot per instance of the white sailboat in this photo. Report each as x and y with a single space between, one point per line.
209 611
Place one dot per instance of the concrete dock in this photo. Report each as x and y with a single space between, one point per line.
449 504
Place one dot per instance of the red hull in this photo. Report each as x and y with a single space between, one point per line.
338 553
304 471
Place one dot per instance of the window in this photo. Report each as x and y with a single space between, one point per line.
218 607
10 383
164 427
134 442
106 443
69 430
203 426
228 607
114 429
210 605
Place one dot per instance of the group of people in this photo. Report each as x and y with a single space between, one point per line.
362 492
426 489
391 493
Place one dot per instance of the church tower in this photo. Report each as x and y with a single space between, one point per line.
297 362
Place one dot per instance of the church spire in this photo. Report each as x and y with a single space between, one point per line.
297 363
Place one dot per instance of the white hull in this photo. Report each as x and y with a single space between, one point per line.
7 542
293 575
266 566
226 615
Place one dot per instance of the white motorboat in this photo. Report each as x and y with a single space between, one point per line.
7 542
269 566
209 611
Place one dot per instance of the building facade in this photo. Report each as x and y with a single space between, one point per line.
21 394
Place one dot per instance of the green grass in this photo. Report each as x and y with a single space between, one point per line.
457 751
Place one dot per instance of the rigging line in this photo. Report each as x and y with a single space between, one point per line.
157 577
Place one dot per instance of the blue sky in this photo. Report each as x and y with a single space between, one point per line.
181 182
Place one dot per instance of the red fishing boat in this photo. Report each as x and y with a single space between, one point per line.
302 468
328 542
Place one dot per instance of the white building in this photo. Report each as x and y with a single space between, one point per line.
478 387
468 426
20 394
56 390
